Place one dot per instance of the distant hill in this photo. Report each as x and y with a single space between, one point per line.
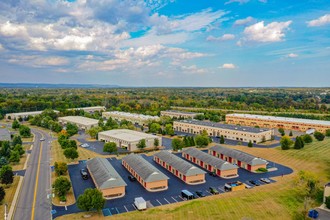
46 85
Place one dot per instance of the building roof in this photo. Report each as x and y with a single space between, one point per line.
104 174
206 158
88 108
283 119
144 169
79 120
132 115
179 164
225 126
239 155
128 135
28 113
181 112
4 134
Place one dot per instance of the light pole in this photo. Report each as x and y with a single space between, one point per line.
6 215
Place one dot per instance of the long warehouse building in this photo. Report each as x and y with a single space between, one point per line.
146 174
232 132
220 167
106 178
278 122
132 117
89 109
185 171
83 123
180 114
239 158
24 115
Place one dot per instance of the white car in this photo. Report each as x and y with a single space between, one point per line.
85 145
42 139
265 180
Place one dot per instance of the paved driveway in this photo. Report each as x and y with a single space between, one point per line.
172 195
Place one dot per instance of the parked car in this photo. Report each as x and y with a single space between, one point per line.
248 186
212 174
131 178
213 190
84 174
85 145
265 180
255 182
200 193
186 195
42 139
140 203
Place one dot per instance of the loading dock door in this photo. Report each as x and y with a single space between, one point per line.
214 153
249 167
201 163
210 168
218 172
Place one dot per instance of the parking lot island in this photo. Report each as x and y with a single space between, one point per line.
146 174
106 178
182 169
215 165
239 158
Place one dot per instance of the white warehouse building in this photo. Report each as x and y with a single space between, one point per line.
132 117
83 123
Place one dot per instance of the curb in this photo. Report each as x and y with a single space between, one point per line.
13 204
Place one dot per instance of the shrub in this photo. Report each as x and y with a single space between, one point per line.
60 168
239 143
290 134
71 153
286 143
327 202
261 169
327 133
307 139
319 136
61 186
110 147
63 198
2 193
24 131
6 175
250 144
299 143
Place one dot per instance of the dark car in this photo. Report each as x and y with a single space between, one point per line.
186 195
255 182
212 174
131 178
84 174
200 193
213 190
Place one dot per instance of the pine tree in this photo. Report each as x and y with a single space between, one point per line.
222 139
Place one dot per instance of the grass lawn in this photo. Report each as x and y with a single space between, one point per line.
274 201
70 200
10 192
28 139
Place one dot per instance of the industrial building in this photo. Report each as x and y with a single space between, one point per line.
278 122
326 191
239 158
232 132
185 171
89 109
83 123
218 166
179 114
106 178
24 115
128 139
146 174
132 117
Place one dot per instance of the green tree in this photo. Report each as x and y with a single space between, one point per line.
202 140
93 132
24 131
156 142
2 193
286 143
281 131
19 149
15 124
327 202
299 143
177 144
71 129
6 175
327 133
154 128
71 153
186 141
222 139
3 161
17 140
72 144
169 129
110 147
290 134
92 199
319 136
14 156
61 186
60 168
307 138
5 149
142 144
250 144
192 141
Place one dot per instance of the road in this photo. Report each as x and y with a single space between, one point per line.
32 201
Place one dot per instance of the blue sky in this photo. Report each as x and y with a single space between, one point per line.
166 42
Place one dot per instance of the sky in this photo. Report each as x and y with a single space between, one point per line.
217 43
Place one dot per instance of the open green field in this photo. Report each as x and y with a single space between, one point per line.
275 201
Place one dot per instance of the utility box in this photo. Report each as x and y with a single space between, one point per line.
234 186
140 203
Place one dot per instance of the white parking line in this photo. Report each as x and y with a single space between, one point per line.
158 202
134 206
174 199
220 188
167 201
126 208
208 192
181 198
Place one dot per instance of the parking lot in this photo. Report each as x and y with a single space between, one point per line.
172 195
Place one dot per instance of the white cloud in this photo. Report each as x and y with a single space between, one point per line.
292 55
193 69
273 32
228 66
324 20
224 37
244 21
239 1
38 61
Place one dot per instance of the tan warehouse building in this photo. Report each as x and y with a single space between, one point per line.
220 167
24 115
185 171
89 109
146 174
179 114
83 123
278 122
128 139
106 178
233 132
132 117
239 158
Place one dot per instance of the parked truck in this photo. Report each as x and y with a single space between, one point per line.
140 203
234 186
